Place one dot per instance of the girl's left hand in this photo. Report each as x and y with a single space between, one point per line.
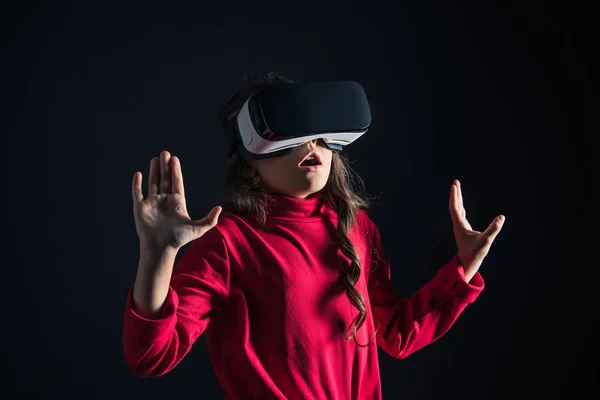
472 245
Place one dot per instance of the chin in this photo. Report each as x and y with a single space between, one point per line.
309 190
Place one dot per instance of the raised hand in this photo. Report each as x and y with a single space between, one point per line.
161 220
472 245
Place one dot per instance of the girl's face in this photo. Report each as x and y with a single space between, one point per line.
284 175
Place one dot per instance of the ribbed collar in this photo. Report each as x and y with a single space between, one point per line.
284 207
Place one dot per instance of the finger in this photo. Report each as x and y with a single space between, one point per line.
461 206
492 231
455 212
154 177
451 204
136 187
177 177
459 202
210 220
165 173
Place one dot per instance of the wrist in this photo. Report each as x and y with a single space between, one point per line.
152 249
156 260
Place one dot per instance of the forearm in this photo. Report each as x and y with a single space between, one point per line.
470 267
152 280
409 324
470 273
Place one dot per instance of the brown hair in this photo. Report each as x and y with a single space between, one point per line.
344 193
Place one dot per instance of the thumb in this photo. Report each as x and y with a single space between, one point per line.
494 228
210 220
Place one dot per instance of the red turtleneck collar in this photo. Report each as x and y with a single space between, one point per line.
286 207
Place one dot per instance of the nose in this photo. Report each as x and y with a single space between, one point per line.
312 143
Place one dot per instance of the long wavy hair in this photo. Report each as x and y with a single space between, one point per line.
344 193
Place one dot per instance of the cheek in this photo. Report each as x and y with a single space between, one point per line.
330 159
272 168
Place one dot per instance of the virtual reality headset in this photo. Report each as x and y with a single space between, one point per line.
275 119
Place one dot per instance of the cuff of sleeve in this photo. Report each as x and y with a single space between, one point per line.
452 276
147 329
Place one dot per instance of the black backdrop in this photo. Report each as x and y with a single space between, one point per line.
499 95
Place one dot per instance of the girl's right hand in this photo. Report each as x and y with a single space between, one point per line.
162 221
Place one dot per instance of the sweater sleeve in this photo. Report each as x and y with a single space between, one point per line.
408 324
199 286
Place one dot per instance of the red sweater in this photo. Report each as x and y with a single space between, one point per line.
274 313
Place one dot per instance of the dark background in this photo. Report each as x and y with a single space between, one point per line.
499 95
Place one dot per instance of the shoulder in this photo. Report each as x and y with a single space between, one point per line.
219 236
364 221
229 226
364 226
228 221
235 231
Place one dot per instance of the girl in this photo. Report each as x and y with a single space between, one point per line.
289 284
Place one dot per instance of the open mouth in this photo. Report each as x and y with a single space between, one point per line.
312 159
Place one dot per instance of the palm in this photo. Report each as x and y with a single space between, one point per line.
167 217
472 246
162 220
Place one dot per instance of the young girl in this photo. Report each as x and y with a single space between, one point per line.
289 284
